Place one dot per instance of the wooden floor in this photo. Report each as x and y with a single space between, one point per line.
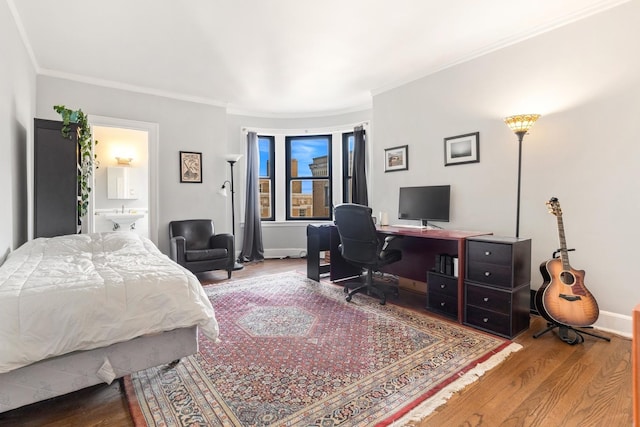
547 383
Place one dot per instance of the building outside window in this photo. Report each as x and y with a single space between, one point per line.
308 185
266 148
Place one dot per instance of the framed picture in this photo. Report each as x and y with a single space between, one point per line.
462 149
396 158
190 167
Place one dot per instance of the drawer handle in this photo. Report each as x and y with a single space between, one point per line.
485 320
487 253
487 273
442 304
442 286
485 299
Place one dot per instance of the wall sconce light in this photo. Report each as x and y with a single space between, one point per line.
520 125
125 161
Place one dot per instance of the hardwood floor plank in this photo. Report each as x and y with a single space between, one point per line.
547 383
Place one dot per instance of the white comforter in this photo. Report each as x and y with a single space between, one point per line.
85 291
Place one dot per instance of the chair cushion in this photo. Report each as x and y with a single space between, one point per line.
205 254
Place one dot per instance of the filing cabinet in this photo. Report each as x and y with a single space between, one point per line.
497 284
442 294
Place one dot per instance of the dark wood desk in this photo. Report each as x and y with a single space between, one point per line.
419 249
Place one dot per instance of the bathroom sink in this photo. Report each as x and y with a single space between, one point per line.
123 220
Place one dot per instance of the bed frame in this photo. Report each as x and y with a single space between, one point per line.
74 371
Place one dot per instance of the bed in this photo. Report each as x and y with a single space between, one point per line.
82 309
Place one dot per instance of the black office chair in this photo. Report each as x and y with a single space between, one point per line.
360 245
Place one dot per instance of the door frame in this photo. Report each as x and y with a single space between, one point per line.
152 130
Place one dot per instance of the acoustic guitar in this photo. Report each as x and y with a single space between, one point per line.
563 297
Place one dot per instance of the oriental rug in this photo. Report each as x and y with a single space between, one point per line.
293 352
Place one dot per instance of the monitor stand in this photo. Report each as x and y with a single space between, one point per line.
425 224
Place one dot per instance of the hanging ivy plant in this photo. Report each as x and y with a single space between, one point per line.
86 160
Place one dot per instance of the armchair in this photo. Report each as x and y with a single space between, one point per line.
362 246
195 246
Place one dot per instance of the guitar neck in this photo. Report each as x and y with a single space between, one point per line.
564 252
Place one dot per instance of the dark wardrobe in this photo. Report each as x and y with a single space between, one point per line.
55 180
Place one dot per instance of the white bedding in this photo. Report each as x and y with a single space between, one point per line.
85 291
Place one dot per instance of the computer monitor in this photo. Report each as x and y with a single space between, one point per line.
426 203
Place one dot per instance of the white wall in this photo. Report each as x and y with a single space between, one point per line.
182 126
283 239
585 80
17 106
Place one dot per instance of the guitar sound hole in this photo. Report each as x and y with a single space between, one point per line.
567 278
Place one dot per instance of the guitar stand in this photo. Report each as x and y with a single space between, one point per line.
569 334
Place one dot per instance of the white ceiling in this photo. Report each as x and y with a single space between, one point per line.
275 57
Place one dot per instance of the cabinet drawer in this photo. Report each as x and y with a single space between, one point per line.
442 284
491 274
488 252
489 299
445 304
488 320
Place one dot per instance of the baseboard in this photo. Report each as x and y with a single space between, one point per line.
619 324
285 253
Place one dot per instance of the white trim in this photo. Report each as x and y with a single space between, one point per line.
131 88
615 323
285 253
153 131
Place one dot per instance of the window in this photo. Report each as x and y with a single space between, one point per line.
267 177
347 165
308 177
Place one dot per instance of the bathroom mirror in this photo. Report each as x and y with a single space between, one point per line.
121 183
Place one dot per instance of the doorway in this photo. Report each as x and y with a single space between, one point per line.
124 181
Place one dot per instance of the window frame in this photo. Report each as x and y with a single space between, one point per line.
288 178
272 177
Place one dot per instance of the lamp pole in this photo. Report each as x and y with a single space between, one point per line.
520 138
232 159
233 206
520 125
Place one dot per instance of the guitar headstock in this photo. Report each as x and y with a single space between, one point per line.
554 206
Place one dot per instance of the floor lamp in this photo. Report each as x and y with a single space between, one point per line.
520 125
232 159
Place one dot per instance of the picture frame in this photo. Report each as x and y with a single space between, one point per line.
190 167
462 149
396 158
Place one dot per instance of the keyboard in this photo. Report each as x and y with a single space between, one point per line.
419 227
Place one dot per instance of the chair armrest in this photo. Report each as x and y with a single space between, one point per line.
177 248
223 240
387 240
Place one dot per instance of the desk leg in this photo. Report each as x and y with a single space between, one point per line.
313 257
340 268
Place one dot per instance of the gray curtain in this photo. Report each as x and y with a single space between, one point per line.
252 247
358 176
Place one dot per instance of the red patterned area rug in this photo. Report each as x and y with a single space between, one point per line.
293 352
